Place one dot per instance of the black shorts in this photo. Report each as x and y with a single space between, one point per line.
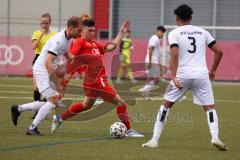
35 58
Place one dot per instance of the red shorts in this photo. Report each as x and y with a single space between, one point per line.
75 67
100 89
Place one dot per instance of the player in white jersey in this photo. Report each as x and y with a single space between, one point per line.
188 48
44 71
152 60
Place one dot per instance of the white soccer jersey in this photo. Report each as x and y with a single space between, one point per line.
57 45
192 42
155 42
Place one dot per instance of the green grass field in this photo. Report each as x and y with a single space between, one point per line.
186 135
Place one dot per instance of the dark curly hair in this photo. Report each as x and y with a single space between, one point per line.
184 12
88 23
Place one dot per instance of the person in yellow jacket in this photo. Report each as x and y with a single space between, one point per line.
39 38
125 58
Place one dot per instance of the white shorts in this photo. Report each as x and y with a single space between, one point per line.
154 71
201 91
46 86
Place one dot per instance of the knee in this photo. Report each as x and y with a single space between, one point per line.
168 104
208 107
54 100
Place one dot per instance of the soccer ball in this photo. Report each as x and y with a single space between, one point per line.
118 130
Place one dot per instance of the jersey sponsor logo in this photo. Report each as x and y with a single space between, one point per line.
95 51
11 54
191 33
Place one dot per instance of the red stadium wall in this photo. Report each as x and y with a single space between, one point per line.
101 14
16 58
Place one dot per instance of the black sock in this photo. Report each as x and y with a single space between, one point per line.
36 95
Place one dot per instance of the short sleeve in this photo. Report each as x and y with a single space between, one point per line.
209 39
54 47
172 39
76 46
35 35
153 41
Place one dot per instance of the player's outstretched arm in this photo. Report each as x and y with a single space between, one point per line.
110 46
217 58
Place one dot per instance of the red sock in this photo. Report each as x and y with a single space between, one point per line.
123 115
64 83
72 111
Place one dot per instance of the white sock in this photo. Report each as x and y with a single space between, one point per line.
160 122
34 106
42 114
212 119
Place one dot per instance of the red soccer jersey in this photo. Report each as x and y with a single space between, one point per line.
90 54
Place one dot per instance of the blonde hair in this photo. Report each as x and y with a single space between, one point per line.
84 16
46 15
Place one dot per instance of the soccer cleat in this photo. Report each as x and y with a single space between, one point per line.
133 133
219 144
98 102
15 114
61 104
33 132
151 144
146 91
57 121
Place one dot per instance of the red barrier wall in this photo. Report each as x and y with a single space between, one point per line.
16 57
101 15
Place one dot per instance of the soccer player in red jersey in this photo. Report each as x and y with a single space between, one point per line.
90 54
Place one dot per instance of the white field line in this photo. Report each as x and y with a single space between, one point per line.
138 99
16 86
28 92
31 98
73 95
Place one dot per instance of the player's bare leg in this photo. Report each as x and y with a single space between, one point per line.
121 74
212 120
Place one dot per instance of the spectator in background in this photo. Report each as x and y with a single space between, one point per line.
39 38
152 61
125 58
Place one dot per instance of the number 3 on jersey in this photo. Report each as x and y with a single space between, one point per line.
193 44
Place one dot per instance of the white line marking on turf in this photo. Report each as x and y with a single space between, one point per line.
16 86
18 92
138 98
31 98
